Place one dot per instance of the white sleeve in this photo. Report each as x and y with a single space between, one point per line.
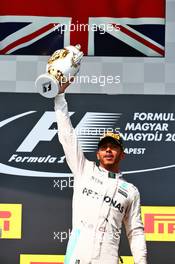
135 230
67 137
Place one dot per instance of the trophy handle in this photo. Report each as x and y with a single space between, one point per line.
47 85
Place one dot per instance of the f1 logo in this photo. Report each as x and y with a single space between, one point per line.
41 259
159 223
10 220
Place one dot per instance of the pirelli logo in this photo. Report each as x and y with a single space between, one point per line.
159 223
127 260
10 221
56 259
41 259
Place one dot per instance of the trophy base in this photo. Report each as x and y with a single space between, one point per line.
47 86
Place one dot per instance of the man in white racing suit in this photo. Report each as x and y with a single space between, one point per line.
102 199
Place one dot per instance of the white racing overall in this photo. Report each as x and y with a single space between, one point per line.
101 202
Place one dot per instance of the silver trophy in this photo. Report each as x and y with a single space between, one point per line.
61 67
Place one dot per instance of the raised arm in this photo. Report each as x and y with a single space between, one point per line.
67 137
135 230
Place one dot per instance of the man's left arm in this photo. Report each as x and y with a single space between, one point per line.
135 230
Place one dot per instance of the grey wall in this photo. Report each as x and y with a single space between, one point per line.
137 75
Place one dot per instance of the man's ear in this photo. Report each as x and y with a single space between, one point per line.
97 154
123 155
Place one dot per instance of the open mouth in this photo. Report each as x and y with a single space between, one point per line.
108 157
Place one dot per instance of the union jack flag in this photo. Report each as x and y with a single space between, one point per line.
103 28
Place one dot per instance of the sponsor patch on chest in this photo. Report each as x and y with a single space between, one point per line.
122 193
114 203
96 180
107 199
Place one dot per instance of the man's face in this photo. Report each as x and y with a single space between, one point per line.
110 153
